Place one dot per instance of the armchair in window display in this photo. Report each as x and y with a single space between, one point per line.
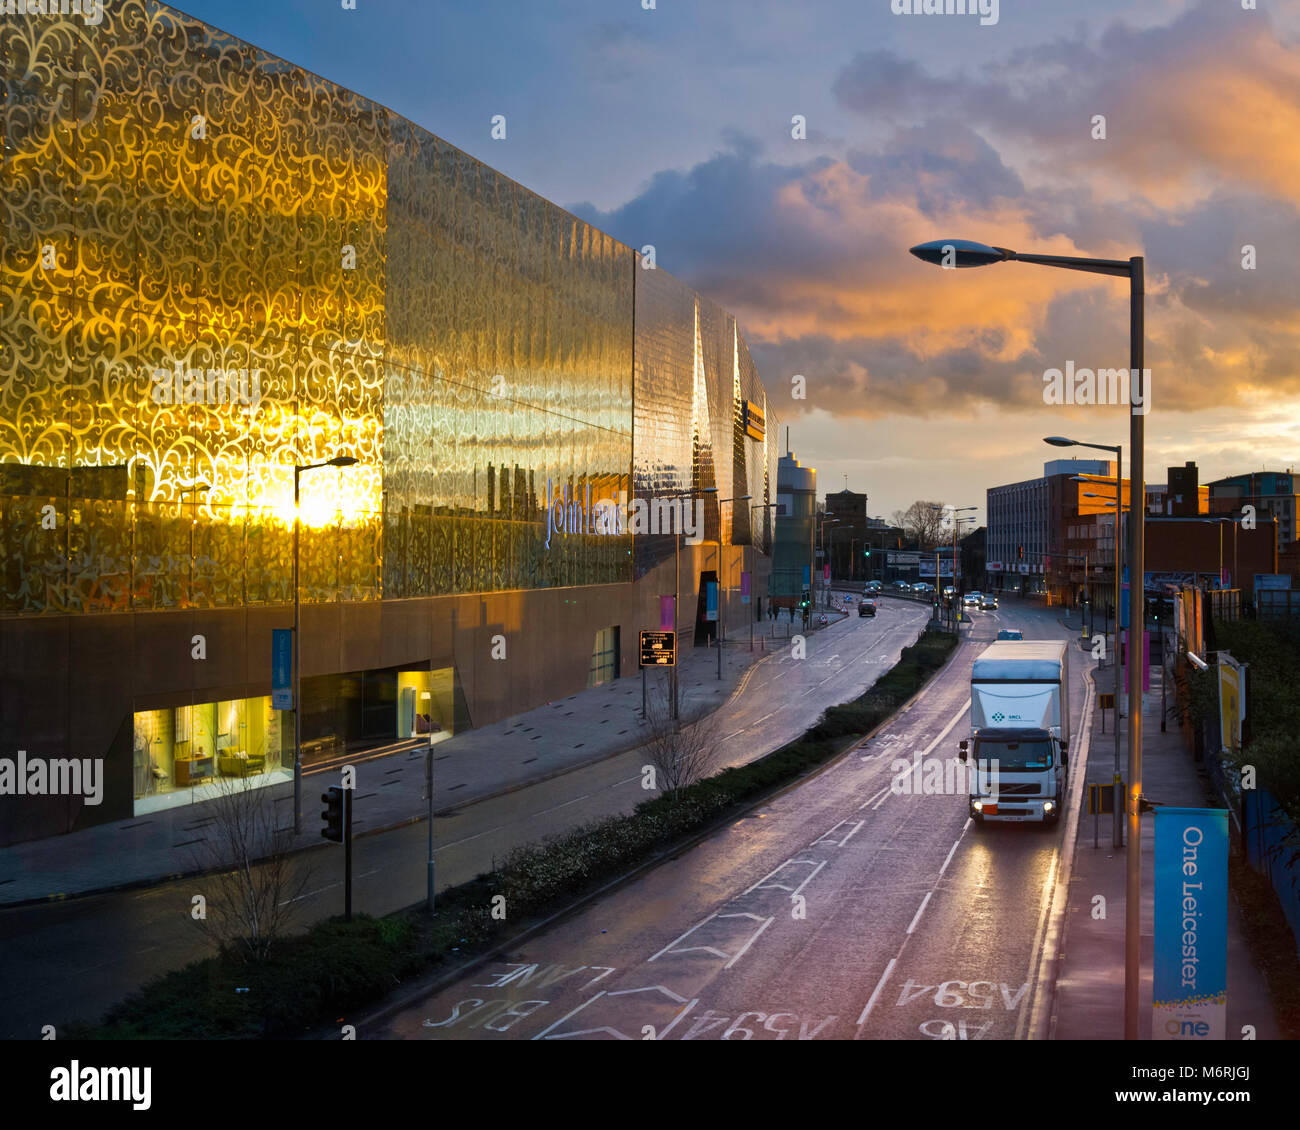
234 761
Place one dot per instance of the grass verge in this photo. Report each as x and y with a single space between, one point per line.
337 969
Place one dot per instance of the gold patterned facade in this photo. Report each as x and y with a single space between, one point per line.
215 266
175 203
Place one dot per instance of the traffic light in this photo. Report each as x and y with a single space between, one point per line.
866 553
332 814
804 601
1021 548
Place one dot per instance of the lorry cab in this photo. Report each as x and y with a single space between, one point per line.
1016 774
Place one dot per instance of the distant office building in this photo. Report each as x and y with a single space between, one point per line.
1025 523
1272 493
796 515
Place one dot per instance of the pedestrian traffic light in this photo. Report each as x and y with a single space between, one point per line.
332 814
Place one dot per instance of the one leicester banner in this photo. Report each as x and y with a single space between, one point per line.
281 668
1190 992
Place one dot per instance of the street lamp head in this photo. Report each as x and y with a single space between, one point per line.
1060 441
341 461
960 253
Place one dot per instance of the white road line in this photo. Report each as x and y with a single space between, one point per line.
752 940
566 804
920 910
734 733
880 985
871 798
624 781
880 801
1032 1019
681 937
953 850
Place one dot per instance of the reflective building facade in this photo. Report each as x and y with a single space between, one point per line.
216 267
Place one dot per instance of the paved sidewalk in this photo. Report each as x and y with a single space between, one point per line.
552 739
1089 1002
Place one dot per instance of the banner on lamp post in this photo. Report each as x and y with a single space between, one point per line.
281 668
667 613
744 588
710 600
1190 987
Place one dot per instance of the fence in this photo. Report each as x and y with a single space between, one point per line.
1273 851
1268 838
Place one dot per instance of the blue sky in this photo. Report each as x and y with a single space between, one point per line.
672 126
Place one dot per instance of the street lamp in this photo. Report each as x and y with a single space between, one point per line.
1117 838
722 601
1117 832
967 253
956 510
337 461
821 541
758 506
195 488
677 583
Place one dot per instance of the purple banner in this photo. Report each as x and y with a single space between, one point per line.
666 617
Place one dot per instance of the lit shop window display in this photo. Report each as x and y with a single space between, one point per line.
184 752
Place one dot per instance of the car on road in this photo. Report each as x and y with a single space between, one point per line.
902 586
1010 634
988 602
867 608
923 587
874 586
972 599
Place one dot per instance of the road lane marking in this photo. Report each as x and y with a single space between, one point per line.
920 910
872 797
1059 903
953 850
741 952
875 996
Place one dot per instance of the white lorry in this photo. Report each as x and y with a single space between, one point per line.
1020 731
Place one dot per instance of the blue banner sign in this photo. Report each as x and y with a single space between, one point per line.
281 668
1190 989
710 600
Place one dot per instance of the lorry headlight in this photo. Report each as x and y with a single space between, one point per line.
977 805
1049 806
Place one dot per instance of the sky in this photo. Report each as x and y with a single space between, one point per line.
672 126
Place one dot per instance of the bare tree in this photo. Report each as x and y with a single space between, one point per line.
680 753
921 523
255 877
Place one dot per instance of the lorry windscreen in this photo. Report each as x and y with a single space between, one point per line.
1016 756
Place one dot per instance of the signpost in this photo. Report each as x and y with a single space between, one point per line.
1190 990
658 649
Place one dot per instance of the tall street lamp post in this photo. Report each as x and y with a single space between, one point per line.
1117 831
337 461
723 594
765 506
966 253
821 542
677 584
956 521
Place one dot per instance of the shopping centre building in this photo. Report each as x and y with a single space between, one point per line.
219 270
